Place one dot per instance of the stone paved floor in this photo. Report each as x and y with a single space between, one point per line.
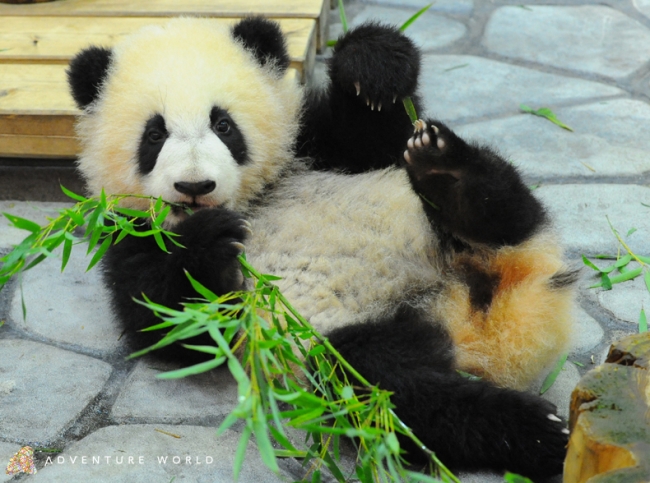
63 379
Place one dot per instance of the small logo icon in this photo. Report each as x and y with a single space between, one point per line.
22 462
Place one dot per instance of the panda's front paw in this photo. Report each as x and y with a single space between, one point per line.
538 444
213 240
377 64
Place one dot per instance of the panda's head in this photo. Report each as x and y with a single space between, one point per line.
192 111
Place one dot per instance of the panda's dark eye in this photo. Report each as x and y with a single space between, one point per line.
155 136
222 126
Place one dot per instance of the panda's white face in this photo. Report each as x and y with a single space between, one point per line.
196 162
188 114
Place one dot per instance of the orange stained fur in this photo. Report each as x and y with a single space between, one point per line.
528 324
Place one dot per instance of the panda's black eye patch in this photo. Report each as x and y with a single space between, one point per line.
152 141
228 132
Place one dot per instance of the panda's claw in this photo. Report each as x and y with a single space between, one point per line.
407 157
409 144
394 98
239 246
247 229
565 431
246 223
357 85
379 106
426 140
553 417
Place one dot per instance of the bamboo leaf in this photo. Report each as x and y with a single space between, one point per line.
193 370
67 249
264 442
241 452
209 295
545 112
72 195
344 19
159 241
410 109
100 251
408 23
590 264
550 379
22 223
621 262
647 279
643 322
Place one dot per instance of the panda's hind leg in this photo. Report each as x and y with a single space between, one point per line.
469 424
469 190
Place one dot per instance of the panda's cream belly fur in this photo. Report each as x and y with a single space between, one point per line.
348 248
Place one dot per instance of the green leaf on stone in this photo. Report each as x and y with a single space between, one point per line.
550 379
643 322
647 279
417 14
630 231
545 112
460 66
590 264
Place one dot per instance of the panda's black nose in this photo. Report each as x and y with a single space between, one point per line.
195 189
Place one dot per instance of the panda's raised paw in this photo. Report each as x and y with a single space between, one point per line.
375 63
427 151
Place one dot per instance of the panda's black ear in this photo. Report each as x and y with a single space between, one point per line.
86 73
264 38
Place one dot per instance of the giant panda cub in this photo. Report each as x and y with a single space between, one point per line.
416 253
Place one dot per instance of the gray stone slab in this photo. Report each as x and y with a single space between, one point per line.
143 396
588 333
626 300
459 87
592 39
35 211
643 6
7 450
142 451
71 307
579 213
430 31
605 140
456 7
45 389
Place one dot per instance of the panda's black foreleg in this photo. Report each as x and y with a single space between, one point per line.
358 123
469 424
469 190
212 239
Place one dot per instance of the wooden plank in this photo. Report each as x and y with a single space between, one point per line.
34 89
57 39
167 8
37 113
317 10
